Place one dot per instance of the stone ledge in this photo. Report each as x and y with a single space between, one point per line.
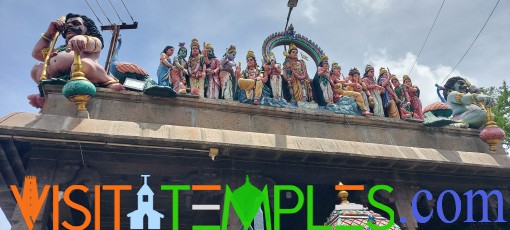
190 111
52 128
325 116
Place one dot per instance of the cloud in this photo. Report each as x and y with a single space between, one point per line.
310 10
362 7
425 77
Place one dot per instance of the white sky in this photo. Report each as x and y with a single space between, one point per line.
384 33
4 223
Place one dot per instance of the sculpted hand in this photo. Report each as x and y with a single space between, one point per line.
77 43
238 69
54 27
488 101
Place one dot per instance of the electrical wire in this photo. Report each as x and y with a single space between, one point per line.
94 13
103 12
471 43
427 38
127 10
116 11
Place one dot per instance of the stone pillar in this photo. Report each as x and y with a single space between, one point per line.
403 197
234 179
44 170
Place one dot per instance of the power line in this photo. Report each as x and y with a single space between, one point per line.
94 13
116 11
416 60
103 12
472 42
127 10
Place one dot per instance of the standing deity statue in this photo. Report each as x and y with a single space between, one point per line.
353 87
212 72
196 69
274 71
165 64
179 68
414 97
389 98
251 81
81 35
322 83
295 73
403 96
228 81
373 89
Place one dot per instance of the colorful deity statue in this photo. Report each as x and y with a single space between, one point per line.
350 88
212 72
180 87
228 81
180 65
322 83
355 83
274 71
165 64
466 112
336 78
81 35
403 96
374 91
251 81
389 98
196 69
414 97
295 73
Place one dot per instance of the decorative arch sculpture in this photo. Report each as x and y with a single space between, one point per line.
290 36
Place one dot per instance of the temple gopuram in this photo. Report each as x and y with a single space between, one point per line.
99 138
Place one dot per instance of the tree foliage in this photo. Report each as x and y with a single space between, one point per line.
502 109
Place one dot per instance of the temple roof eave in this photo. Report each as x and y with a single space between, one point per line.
45 128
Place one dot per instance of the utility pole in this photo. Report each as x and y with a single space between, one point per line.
291 4
115 37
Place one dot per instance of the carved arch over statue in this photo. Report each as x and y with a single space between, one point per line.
290 36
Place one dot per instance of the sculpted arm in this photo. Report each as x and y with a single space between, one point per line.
163 58
45 40
468 99
216 66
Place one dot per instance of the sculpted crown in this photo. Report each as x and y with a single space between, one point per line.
231 49
382 70
250 54
324 57
405 77
209 46
292 46
194 42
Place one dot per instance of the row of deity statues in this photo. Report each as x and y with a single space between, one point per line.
270 83
205 75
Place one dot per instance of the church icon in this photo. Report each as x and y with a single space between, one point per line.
145 209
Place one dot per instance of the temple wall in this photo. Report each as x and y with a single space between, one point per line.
221 114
